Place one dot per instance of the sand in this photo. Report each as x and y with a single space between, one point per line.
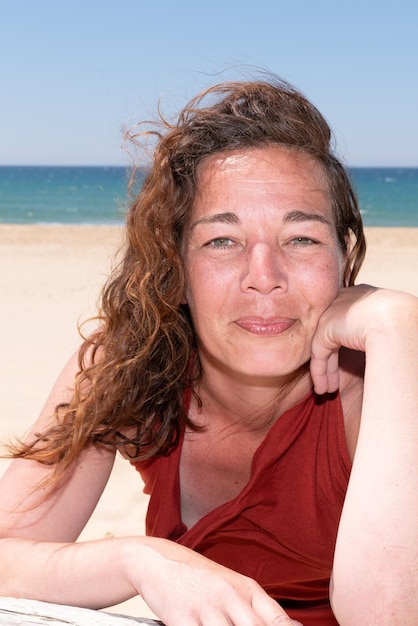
50 279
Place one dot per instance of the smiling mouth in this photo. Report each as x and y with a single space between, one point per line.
265 327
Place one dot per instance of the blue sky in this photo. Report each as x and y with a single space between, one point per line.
74 73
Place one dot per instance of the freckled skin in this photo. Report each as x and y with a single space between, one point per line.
262 259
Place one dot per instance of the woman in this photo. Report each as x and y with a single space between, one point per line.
229 368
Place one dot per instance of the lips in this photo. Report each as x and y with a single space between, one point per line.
265 327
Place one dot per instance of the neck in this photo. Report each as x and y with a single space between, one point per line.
253 403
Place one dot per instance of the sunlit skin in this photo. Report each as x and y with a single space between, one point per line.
263 262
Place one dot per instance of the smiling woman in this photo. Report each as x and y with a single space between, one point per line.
268 403
268 268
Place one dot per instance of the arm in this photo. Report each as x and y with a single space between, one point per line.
375 575
39 559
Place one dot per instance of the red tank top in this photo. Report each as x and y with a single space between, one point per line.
281 529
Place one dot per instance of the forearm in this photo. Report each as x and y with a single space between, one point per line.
178 584
376 559
90 574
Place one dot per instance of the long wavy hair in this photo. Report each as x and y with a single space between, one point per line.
133 371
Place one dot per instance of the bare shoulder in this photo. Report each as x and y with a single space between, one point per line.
352 365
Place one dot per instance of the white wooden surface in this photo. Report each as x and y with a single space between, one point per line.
18 612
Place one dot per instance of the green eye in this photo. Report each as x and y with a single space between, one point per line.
303 241
221 242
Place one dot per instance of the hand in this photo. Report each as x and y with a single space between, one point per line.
184 588
359 317
343 323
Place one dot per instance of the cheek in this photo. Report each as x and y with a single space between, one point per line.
201 296
321 283
207 283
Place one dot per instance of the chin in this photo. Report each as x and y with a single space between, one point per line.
274 363
271 373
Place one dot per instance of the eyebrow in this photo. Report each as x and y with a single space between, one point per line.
224 218
291 216
303 216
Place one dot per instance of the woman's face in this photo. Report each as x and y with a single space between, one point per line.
262 260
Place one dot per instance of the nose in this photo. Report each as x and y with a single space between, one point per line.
264 270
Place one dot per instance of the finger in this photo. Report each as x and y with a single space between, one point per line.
182 620
215 616
325 372
270 611
333 372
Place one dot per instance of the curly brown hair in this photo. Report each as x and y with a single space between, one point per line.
135 368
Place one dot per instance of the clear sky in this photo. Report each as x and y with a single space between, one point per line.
75 72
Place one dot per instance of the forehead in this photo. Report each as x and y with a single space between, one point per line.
271 183
268 169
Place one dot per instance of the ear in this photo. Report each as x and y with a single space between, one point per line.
345 257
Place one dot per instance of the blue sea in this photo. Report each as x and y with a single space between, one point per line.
98 195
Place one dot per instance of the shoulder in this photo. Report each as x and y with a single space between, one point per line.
352 365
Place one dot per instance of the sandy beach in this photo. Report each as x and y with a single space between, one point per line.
50 279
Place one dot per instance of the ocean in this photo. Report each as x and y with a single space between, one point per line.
98 195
